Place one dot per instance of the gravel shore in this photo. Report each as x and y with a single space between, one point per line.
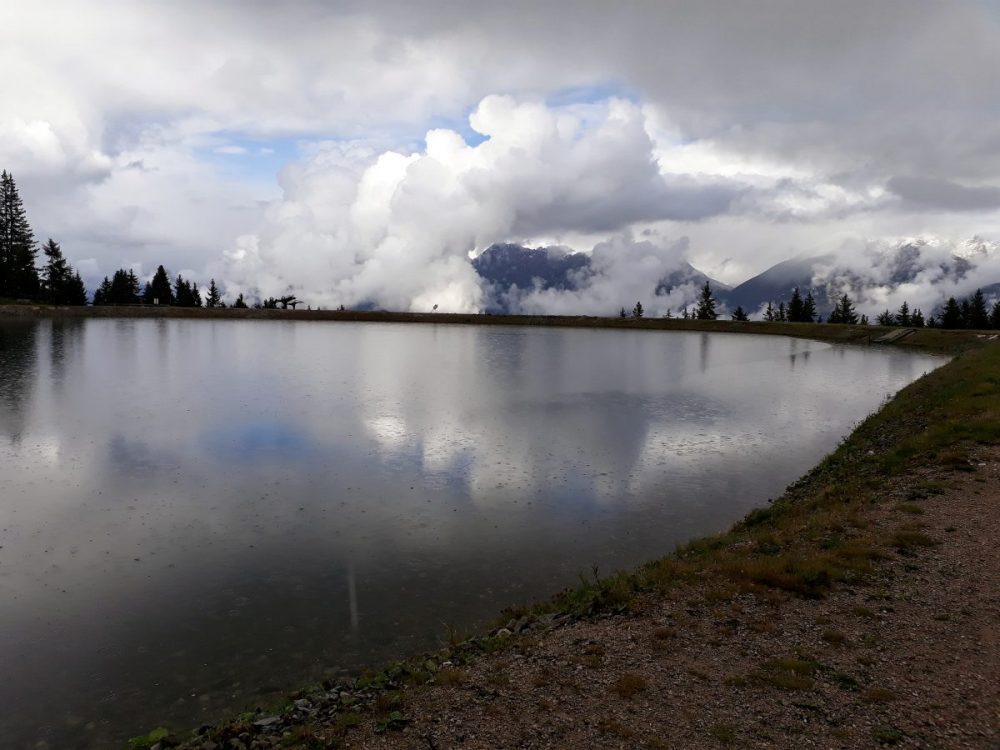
910 658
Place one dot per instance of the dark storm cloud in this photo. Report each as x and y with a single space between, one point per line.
943 195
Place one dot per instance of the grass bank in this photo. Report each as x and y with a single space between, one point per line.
804 545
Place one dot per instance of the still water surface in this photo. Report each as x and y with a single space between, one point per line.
193 513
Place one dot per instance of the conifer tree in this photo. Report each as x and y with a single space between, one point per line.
55 273
979 317
18 275
124 289
769 314
808 309
75 292
102 295
637 310
241 304
183 293
864 321
214 299
195 296
903 316
917 318
706 304
965 312
796 307
995 315
740 314
844 312
885 318
782 313
951 317
158 290
621 313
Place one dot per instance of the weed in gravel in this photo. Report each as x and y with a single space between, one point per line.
888 736
906 541
844 681
451 676
613 726
912 508
629 684
788 673
834 637
879 695
346 721
724 733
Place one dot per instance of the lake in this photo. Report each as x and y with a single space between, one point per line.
196 513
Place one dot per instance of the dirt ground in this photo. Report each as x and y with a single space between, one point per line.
911 658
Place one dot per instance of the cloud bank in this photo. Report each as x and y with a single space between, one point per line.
340 150
398 230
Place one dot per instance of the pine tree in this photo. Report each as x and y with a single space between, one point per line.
769 314
621 313
158 290
18 275
808 309
668 315
885 318
844 312
214 299
995 315
796 307
55 274
864 321
917 318
706 304
183 293
979 317
782 313
951 317
903 316
686 315
75 292
124 289
195 296
102 295
740 314
637 310
965 312
241 304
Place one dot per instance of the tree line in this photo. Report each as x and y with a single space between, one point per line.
58 283
971 312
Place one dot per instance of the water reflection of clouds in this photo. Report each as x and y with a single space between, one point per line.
355 465
257 441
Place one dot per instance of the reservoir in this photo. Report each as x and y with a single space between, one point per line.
197 514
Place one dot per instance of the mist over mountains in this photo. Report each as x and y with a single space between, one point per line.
924 272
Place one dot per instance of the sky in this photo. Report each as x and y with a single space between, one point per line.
359 152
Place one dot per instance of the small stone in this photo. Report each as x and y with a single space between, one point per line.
302 704
504 633
267 721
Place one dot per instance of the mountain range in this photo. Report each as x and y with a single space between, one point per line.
928 270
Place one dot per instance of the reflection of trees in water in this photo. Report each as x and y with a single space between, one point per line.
18 369
65 337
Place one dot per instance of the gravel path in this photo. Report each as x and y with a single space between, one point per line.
911 658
